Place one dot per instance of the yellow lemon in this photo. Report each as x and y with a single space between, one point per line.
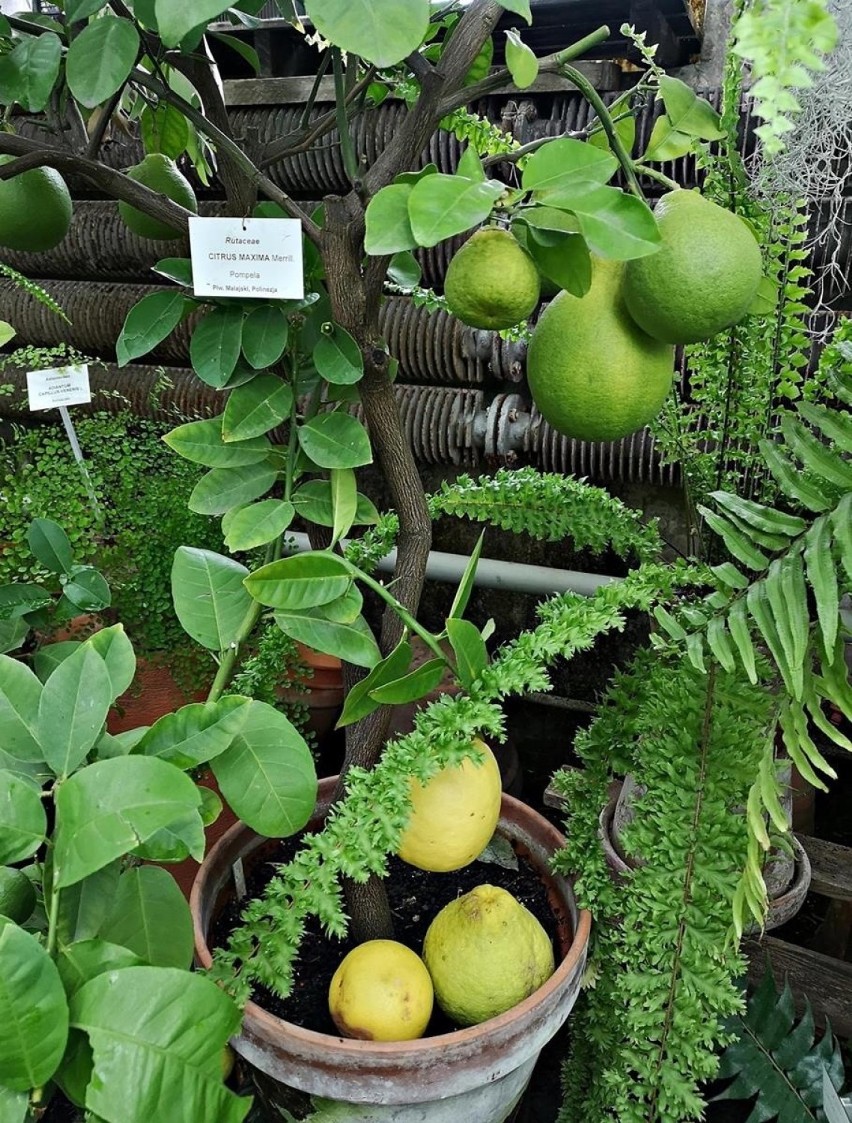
486 953
454 815
381 992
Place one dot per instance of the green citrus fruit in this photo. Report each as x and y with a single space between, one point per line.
35 209
703 278
162 175
381 992
491 281
454 815
17 895
486 953
594 374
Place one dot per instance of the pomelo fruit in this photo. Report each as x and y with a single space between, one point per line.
17 895
491 281
703 278
454 815
593 373
381 992
35 209
163 176
486 953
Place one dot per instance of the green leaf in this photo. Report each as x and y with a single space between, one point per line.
404 270
258 523
148 323
568 263
842 521
757 599
765 299
23 823
210 599
215 345
255 408
18 599
29 71
338 357
222 488
177 269
688 112
832 423
481 64
151 918
814 455
244 50
617 226
73 708
14 1106
86 959
335 440
625 129
107 809
20 694
563 171
33 1011
176 19
521 61
741 634
470 165
116 650
344 610
352 642
740 546
669 624
267 775
718 641
83 907
344 498
382 32
519 7
823 579
183 838
413 686
164 129
443 205
302 581
12 635
157 1035
462 597
314 503
469 648
757 515
358 702
791 480
87 589
195 733
265 333
202 442
50 545
388 225
100 59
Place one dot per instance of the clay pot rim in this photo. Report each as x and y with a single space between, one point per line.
424 1046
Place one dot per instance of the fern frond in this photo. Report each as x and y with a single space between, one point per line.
815 456
791 482
34 290
822 579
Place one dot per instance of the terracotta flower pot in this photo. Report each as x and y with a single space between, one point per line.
474 1075
153 693
320 690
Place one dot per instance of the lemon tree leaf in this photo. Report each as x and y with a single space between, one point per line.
688 112
258 523
615 225
460 600
264 337
521 60
195 733
209 596
148 323
175 19
388 225
222 488
335 440
73 707
164 129
255 408
469 649
215 346
443 205
29 71
562 171
353 641
23 823
151 918
519 7
100 59
203 442
313 502
381 31
358 701
302 581
568 263
666 143
411 687
338 357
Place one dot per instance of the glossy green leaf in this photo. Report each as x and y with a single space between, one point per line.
175 19
246 52
352 642
50 545
666 142
151 917
358 702
196 732
257 524
718 641
116 650
759 516
404 270
12 635
617 226
463 593
413 686
521 61
203 442
740 546
157 1035
215 345
20 598
222 488
73 708
344 610
110 807
563 171
443 205
87 589
814 455
23 823
388 225
335 440
84 906
177 269
29 71
86 959
729 575
14 1106
382 32
148 323
695 651
338 357
301 581
344 499
832 423
842 522
314 503
791 480
100 59
255 408
210 599
519 7
264 337
688 112
760 607
625 128
470 165
182 838
267 775
469 649
567 264
741 634
164 129
33 1011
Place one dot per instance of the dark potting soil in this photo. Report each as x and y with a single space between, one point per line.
415 898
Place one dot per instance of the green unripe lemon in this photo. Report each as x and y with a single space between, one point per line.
703 278
381 992
17 895
593 373
486 953
35 209
491 281
162 175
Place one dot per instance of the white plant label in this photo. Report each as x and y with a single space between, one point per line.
59 386
249 258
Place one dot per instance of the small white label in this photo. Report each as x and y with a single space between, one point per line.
59 386
254 258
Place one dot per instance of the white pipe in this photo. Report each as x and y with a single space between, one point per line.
516 577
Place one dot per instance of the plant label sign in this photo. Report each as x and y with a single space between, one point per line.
58 387
248 258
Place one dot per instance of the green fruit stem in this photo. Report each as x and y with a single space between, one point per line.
652 173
